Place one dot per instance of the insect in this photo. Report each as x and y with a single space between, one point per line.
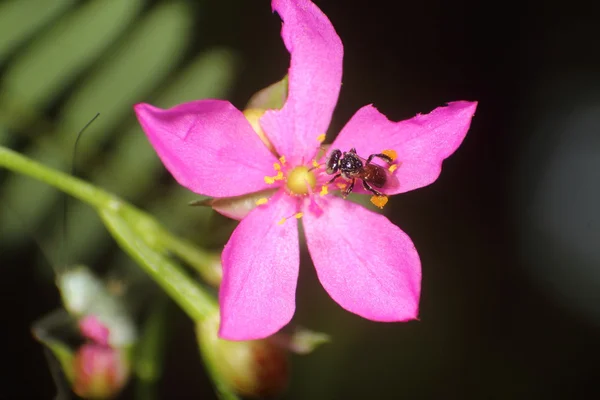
351 166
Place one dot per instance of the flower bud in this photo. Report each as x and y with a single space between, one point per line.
99 372
256 368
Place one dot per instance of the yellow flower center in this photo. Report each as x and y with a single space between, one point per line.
299 179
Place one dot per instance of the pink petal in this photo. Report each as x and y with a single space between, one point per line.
315 77
208 146
422 142
366 263
260 270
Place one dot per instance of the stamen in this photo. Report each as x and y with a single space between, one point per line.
298 215
379 201
282 160
261 201
342 186
391 154
324 190
315 164
278 177
393 167
321 138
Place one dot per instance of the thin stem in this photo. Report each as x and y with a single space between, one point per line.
207 264
75 187
128 226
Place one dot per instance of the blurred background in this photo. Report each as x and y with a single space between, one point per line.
509 235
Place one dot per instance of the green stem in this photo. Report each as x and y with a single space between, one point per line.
139 234
204 262
75 187
207 264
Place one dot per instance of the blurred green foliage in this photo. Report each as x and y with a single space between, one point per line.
63 61
66 61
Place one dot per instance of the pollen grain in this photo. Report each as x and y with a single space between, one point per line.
391 154
379 201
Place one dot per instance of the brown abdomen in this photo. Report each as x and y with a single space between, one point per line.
375 175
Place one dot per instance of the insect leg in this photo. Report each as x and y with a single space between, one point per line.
370 189
349 188
384 157
334 178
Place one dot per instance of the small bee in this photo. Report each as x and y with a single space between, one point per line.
351 167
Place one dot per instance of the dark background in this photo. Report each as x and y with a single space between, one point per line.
509 310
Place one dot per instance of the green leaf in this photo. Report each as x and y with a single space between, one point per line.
21 19
57 57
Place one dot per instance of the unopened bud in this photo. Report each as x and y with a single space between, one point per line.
256 368
99 372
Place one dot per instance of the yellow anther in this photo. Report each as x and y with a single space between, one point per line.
261 201
321 138
379 201
281 221
298 215
315 164
391 154
342 186
393 167
324 190
269 180
277 167
279 176
282 160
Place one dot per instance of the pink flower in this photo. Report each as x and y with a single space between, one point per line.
210 148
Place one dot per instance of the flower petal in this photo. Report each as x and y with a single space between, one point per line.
208 146
260 271
315 77
366 263
422 142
